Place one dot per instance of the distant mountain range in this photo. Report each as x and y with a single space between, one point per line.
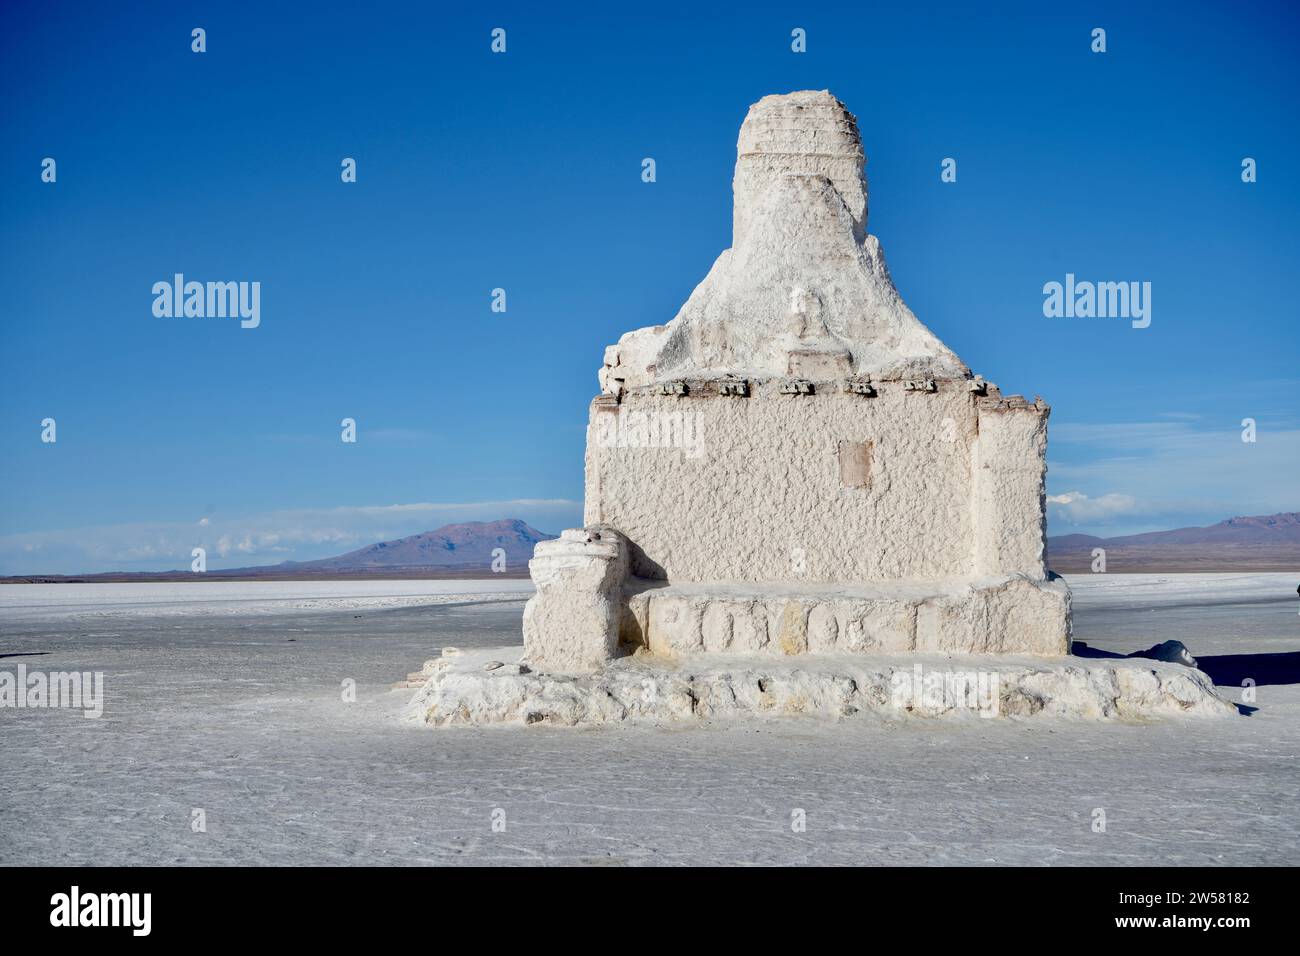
453 551
455 546
1260 543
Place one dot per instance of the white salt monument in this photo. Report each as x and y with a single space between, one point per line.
800 501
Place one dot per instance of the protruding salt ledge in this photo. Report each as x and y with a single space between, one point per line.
492 686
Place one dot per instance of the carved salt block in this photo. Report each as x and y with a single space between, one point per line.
571 625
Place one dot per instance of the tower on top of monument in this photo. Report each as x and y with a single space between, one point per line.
803 291
808 132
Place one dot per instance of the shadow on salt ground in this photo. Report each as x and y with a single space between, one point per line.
1227 669
1261 668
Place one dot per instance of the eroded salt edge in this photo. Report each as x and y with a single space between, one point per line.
488 686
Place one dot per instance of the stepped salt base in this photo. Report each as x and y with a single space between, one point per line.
494 686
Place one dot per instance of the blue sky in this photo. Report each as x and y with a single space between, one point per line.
522 171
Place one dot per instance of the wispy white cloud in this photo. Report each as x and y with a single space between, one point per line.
1076 507
1137 476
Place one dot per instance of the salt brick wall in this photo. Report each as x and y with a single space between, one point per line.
953 491
768 481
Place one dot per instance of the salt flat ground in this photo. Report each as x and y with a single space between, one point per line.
227 698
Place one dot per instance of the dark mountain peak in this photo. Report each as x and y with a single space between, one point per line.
463 545
1283 519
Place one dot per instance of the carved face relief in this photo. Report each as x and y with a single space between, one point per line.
806 314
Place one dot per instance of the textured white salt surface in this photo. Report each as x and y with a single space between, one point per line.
241 715
1095 590
43 602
